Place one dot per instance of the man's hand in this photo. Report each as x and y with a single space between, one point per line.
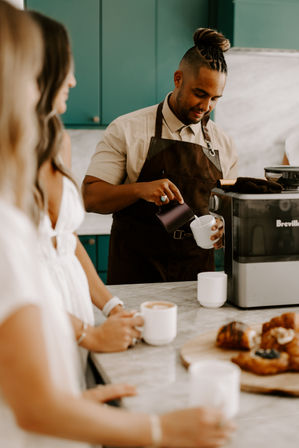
152 191
219 234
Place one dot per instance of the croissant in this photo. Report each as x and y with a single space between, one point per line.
286 320
236 335
292 348
263 362
277 338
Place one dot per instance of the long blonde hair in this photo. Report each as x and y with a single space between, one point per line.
20 59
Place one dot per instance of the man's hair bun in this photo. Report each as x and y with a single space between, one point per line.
209 38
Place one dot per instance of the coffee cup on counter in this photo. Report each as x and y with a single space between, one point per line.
160 322
201 228
212 288
215 383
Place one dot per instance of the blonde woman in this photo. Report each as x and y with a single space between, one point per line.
40 402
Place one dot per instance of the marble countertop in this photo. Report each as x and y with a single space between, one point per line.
162 380
95 224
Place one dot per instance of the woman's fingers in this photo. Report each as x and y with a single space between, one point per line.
109 392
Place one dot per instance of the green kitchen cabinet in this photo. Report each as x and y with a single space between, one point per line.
82 19
102 256
128 56
90 244
258 23
125 52
176 22
97 247
143 48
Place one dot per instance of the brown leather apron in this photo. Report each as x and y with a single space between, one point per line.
141 250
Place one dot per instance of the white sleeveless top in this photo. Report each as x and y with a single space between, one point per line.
23 282
62 263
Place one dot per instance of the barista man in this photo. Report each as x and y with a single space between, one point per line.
167 152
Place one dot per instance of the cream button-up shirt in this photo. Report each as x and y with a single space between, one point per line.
120 155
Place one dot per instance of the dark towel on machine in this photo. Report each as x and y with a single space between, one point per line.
252 185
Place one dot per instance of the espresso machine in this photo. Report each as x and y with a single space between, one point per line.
262 242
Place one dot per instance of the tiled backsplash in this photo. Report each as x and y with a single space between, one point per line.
260 105
84 142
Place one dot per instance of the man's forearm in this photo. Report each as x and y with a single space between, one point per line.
102 197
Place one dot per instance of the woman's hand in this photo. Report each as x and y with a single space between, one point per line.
153 191
117 309
103 393
219 234
116 334
195 427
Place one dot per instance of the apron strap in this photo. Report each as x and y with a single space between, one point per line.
206 134
159 119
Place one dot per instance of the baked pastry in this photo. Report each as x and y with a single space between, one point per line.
236 335
263 362
292 348
286 320
277 338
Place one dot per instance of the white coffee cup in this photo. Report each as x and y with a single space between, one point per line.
202 230
212 288
216 384
160 322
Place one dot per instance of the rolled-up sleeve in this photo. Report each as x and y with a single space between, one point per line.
109 160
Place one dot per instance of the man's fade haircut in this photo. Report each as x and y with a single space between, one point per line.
208 51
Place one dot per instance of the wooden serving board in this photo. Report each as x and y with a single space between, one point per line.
204 347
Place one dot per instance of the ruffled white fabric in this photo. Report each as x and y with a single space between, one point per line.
62 263
24 281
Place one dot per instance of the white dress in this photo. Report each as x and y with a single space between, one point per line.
63 265
24 282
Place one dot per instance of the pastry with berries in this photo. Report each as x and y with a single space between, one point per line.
263 361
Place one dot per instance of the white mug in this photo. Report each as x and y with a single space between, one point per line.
215 383
160 321
201 228
212 288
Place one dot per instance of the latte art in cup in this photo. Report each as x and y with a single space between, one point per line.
160 322
159 305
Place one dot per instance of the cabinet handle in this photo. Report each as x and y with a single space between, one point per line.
96 119
91 241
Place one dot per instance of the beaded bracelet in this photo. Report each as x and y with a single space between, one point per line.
112 303
83 333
